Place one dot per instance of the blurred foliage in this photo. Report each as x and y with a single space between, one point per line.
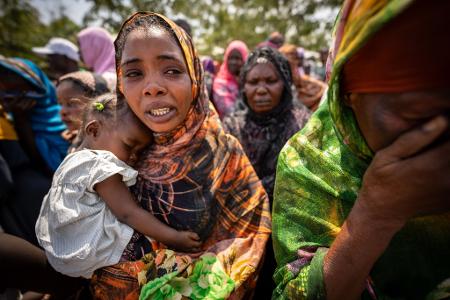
215 23
22 29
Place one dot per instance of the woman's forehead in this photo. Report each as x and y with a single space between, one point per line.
423 102
262 69
145 43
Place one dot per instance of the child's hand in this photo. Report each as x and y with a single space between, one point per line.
186 241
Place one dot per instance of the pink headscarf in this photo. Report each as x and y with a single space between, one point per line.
97 49
225 86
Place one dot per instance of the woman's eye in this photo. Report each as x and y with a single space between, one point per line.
132 74
173 72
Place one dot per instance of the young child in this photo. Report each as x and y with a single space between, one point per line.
88 216
75 90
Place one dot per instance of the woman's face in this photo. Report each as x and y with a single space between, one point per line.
263 88
155 79
384 117
235 62
72 100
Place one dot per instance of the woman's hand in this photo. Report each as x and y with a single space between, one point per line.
186 241
410 177
406 179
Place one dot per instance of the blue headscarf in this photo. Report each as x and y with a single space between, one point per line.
45 120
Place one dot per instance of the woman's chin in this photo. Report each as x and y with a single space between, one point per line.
161 124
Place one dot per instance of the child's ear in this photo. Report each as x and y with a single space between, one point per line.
92 128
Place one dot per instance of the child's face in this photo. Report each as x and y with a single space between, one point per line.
73 102
125 140
155 79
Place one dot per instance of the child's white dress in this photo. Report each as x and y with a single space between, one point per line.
75 227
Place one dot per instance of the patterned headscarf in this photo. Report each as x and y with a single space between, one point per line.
282 66
194 178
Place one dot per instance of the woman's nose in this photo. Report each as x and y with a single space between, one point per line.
261 89
154 88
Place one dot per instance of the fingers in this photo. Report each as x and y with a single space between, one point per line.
196 244
435 160
415 140
193 236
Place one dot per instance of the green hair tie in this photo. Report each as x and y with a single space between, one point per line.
99 106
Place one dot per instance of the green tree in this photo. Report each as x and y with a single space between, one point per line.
22 29
215 23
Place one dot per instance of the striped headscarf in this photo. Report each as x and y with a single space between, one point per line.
45 120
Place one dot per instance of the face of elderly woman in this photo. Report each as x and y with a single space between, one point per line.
155 79
383 117
263 88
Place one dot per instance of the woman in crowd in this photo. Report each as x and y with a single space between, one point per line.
97 52
225 86
74 91
270 114
268 119
361 200
194 177
30 97
309 90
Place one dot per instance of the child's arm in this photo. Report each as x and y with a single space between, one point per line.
122 204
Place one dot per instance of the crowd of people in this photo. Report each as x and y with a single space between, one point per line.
136 169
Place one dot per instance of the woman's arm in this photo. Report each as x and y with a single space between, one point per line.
121 202
395 186
361 241
17 254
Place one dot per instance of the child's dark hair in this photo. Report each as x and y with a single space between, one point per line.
91 84
143 22
107 108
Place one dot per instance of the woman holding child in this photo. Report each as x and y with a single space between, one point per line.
193 177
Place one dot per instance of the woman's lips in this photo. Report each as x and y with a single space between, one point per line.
160 111
161 114
262 102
